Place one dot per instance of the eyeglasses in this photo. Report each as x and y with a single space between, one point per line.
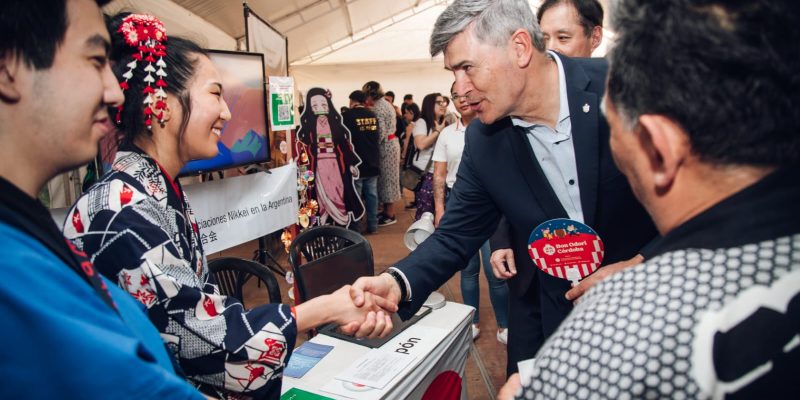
442 102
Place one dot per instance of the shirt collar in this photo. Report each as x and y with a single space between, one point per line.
31 209
563 106
763 211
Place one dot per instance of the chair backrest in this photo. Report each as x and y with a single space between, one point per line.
325 258
232 274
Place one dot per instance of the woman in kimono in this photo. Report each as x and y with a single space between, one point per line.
138 227
326 142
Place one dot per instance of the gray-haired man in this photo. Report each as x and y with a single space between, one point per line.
540 151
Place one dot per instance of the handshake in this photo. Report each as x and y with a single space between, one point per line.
362 309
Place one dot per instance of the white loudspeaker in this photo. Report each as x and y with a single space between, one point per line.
419 231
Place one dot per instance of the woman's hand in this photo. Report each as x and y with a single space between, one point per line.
438 126
410 128
369 320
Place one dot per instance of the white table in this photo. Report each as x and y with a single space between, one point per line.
448 354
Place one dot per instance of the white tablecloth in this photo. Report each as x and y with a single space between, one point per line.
450 354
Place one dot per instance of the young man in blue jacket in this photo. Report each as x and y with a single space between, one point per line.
68 333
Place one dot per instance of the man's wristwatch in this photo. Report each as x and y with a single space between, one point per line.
400 282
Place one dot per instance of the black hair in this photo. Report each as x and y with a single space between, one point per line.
33 30
308 120
390 94
414 108
408 97
373 90
358 96
428 112
182 56
727 72
590 12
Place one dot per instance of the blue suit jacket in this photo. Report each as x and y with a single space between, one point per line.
499 175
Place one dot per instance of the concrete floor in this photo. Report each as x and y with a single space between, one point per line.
485 370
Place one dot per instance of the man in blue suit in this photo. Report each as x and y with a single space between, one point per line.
540 151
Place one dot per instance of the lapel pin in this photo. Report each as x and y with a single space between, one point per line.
586 108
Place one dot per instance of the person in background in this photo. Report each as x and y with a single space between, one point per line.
399 130
137 226
573 28
446 159
68 331
449 116
389 181
411 114
408 99
426 132
363 126
714 312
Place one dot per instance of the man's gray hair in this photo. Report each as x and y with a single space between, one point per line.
493 22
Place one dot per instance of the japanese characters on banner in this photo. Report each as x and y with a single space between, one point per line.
235 210
281 103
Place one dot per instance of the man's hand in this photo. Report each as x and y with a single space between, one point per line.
500 259
510 389
576 292
369 320
369 292
382 285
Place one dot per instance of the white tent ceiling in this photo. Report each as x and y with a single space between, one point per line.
332 43
318 31
316 28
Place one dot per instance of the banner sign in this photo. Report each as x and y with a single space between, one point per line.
235 210
262 38
281 103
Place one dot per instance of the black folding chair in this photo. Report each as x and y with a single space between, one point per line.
233 273
325 258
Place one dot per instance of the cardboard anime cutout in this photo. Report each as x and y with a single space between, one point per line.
325 155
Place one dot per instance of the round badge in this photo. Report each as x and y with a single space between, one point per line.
566 249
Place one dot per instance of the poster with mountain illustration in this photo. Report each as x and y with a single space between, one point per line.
244 138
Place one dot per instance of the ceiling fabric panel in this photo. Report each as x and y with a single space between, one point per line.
320 32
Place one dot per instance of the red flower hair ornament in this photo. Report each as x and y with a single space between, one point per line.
146 34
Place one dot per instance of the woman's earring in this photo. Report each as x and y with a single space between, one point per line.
164 115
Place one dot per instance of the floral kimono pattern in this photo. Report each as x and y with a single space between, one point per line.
138 228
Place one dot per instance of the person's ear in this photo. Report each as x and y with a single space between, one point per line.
596 37
10 67
666 146
521 47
